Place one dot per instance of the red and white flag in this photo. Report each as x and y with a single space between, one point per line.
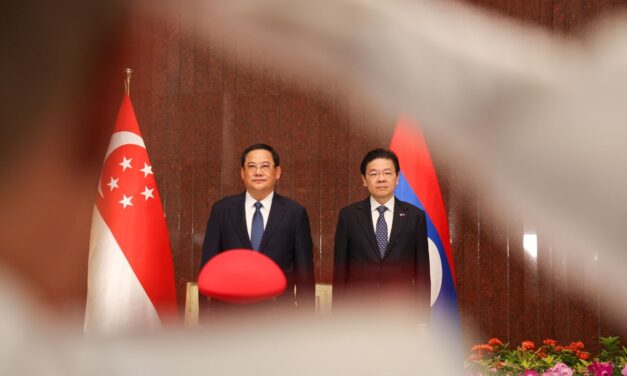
131 275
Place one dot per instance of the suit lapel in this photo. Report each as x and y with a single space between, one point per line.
398 222
277 213
239 220
364 217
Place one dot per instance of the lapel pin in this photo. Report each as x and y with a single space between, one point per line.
402 214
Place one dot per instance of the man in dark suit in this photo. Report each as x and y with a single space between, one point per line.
381 250
259 219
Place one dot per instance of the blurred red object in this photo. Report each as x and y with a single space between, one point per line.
241 276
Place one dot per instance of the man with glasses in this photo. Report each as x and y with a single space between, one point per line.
264 221
381 251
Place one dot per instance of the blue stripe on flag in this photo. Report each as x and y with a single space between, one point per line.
444 311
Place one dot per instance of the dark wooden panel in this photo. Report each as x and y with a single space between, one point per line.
575 286
568 15
608 323
242 112
330 179
530 286
303 159
520 9
560 299
167 138
206 148
344 172
229 156
546 14
141 62
590 302
276 120
464 223
358 147
308 138
186 148
518 327
546 302
493 276
560 15
260 129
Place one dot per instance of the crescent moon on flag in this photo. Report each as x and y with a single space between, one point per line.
435 269
124 138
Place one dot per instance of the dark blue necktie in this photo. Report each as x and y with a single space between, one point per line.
256 229
382 231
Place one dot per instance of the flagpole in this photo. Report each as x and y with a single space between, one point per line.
127 81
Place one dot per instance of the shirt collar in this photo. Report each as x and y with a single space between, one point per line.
266 202
374 204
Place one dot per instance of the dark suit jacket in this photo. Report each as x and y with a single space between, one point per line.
286 240
359 269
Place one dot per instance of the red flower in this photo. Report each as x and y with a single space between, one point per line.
495 342
576 346
549 342
528 345
482 349
583 355
559 348
542 354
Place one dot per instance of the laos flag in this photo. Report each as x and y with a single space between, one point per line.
419 186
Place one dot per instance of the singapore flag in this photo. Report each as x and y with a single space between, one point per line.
130 274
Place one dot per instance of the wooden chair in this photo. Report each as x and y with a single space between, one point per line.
191 304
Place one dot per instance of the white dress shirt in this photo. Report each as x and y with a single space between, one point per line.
249 205
388 215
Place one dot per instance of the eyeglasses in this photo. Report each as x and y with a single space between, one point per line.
387 174
251 168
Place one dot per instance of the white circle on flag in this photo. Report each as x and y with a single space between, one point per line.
119 139
435 268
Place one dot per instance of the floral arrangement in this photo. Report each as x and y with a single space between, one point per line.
549 359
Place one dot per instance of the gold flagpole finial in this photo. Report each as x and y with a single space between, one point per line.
127 81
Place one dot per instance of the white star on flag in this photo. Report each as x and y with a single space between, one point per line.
147 170
126 163
113 183
126 201
147 193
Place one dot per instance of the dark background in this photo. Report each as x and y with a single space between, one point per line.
198 110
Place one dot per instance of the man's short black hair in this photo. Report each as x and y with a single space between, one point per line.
379 153
275 155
